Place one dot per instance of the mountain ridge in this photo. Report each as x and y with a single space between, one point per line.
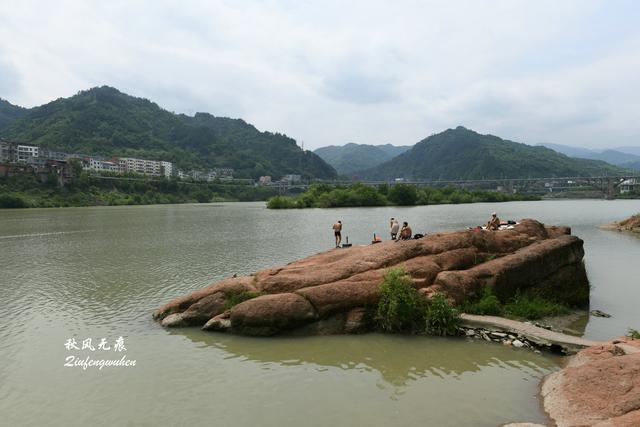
105 121
352 157
461 153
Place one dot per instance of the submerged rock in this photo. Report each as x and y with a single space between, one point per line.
334 291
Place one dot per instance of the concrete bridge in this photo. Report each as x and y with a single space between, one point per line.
607 185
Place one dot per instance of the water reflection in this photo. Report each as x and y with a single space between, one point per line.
398 359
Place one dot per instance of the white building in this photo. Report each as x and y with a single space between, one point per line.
264 180
141 166
24 153
629 185
292 178
166 169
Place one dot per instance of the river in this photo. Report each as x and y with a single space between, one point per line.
99 273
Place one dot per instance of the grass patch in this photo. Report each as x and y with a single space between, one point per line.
533 307
522 306
487 305
235 298
441 318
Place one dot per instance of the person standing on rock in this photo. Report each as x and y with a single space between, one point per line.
337 232
395 227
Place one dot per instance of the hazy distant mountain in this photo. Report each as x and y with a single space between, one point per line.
614 156
631 150
9 113
464 154
106 121
567 150
351 157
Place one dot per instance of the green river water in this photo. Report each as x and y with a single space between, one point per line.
99 273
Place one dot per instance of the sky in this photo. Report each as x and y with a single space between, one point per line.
331 72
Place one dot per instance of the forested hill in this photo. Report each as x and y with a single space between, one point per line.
461 153
352 157
9 112
106 121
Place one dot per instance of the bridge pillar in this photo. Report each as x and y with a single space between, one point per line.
610 192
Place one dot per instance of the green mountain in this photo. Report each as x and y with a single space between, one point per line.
461 153
107 122
351 157
9 112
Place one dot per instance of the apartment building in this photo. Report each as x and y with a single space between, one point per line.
6 152
25 153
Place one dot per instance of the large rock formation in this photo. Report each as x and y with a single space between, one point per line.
331 292
600 387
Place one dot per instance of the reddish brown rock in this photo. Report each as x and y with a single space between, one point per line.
333 283
269 314
600 386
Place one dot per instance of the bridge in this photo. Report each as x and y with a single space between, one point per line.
606 185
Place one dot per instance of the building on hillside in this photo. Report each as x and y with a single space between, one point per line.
101 165
629 186
25 153
166 169
223 172
198 175
7 152
141 166
264 180
47 154
291 178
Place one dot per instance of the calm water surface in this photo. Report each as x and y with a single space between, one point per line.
100 272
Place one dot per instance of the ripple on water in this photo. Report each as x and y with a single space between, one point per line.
102 271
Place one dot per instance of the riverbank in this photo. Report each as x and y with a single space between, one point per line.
629 225
360 195
27 191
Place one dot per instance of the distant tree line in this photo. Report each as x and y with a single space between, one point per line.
27 190
327 196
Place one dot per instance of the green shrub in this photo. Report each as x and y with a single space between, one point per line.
441 318
488 305
12 201
403 194
401 307
281 202
634 334
235 298
535 307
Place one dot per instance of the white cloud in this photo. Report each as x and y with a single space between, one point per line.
331 72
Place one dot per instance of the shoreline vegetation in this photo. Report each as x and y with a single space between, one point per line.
361 195
27 191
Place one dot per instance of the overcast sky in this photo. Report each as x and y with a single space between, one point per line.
328 72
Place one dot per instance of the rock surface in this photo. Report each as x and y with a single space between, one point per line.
600 386
631 224
319 294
